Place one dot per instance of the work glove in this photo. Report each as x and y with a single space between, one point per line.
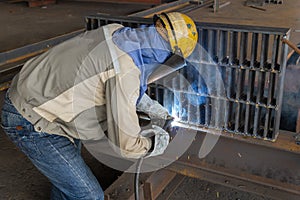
152 108
160 140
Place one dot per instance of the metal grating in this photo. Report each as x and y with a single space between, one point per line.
233 82
274 1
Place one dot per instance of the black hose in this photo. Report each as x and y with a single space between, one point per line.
136 178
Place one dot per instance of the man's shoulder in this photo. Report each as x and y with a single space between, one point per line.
113 26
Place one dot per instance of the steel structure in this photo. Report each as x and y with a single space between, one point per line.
249 64
244 68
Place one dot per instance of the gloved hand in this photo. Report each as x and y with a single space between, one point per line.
152 108
160 140
168 124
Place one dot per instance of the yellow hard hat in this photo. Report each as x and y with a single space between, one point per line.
181 30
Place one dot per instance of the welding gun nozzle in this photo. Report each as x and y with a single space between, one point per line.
169 117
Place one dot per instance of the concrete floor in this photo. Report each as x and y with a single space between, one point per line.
19 180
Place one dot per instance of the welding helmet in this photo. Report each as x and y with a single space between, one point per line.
180 30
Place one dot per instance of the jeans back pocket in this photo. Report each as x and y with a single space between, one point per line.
24 139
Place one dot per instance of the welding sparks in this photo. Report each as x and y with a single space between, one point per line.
175 121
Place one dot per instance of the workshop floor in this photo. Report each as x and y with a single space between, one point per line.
20 25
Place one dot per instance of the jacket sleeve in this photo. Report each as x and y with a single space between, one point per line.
122 92
151 107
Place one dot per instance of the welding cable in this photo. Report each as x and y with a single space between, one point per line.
137 177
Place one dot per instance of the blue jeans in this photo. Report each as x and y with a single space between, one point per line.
55 156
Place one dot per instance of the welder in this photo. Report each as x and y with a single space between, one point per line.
90 87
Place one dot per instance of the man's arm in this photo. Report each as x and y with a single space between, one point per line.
122 92
152 108
123 125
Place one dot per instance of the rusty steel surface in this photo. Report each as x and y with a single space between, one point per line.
243 183
270 169
260 169
151 185
183 6
122 188
158 181
39 3
168 191
285 141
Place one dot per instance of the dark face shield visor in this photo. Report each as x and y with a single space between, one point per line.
169 68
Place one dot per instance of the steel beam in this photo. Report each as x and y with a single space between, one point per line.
12 61
171 188
167 7
268 170
157 182
152 185
263 168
